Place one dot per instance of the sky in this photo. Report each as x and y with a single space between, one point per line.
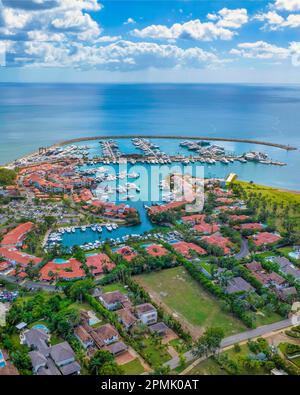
150 41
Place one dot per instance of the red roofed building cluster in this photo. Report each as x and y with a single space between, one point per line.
16 236
194 219
251 226
15 257
70 270
200 226
54 178
114 210
165 207
219 241
85 195
265 238
127 253
239 218
207 228
222 192
185 248
99 263
156 250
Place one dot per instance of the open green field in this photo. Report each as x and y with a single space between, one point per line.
133 367
287 202
176 288
278 195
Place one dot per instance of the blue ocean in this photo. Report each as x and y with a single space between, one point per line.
36 115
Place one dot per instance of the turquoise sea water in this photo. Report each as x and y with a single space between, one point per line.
36 115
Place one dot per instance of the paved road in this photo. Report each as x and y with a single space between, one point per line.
260 331
240 337
244 250
29 284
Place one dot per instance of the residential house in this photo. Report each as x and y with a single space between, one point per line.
238 284
146 313
126 318
114 300
83 336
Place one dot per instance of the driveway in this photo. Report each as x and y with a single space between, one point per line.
244 250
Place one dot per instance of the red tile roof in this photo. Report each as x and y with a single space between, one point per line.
127 253
225 200
265 238
67 271
220 241
239 218
184 248
156 250
17 235
254 226
207 228
165 207
15 256
99 262
194 219
4 266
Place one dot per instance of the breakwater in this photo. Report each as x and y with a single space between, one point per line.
150 136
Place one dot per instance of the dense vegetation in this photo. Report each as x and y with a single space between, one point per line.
7 177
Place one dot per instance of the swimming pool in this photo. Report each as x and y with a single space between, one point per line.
294 255
41 326
2 361
59 260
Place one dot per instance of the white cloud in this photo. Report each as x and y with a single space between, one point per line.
220 26
18 19
193 30
130 21
287 5
264 50
274 21
231 19
122 55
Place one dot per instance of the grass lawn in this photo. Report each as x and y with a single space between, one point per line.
211 367
80 306
267 318
208 367
295 361
156 355
133 367
178 290
114 287
179 345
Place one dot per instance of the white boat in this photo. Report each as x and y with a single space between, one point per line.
133 175
108 227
